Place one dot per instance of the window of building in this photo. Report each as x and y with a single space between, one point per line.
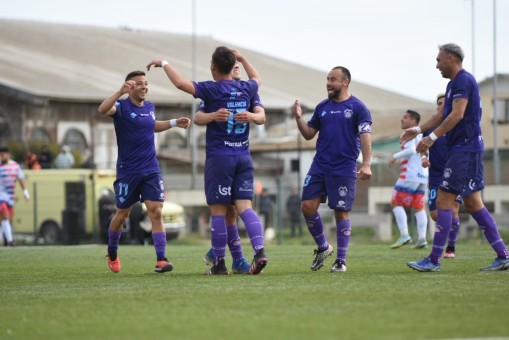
294 165
76 140
40 135
502 110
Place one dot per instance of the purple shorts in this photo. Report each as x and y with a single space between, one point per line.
228 178
432 197
339 190
463 173
134 188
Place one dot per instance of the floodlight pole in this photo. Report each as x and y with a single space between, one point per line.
495 106
192 131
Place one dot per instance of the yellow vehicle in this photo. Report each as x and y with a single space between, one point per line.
65 204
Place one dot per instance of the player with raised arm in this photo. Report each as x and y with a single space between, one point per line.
464 171
138 174
228 166
343 124
256 114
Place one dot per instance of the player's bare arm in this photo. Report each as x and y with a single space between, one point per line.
107 107
430 124
163 125
257 117
175 77
364 171
252 73
202 118
458 110
307 131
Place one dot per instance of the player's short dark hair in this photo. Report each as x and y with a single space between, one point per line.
440 95
224 59
133 74
4 149
414 115
345 71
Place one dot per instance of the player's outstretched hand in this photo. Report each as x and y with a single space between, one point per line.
155 63
183 122
364 172
297 110
222 115
407 135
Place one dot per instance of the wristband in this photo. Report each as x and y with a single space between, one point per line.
26 194
163 63
173 122
424 157
433 136
417 128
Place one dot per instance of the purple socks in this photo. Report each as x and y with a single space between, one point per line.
444 223
343 231
489 228
219 236
160 244
253 229
315 226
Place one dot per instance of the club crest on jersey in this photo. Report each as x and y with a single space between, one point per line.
133 115
348 113
343 191
324 113
153 115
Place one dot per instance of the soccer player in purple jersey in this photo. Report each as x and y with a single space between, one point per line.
344 124
228 165
435 161
138 173
464 171
256 114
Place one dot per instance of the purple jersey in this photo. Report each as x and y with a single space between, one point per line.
134 127
466 136
338 145
231 137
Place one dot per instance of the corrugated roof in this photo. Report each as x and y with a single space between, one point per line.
73 62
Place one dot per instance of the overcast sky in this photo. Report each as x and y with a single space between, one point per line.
391 44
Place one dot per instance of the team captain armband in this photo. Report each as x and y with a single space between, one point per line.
364 128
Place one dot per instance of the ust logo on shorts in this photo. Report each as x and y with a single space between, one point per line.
226 191
341 204
348 113
306 180
447 172
343 191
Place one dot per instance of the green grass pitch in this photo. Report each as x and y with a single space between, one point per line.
68 292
